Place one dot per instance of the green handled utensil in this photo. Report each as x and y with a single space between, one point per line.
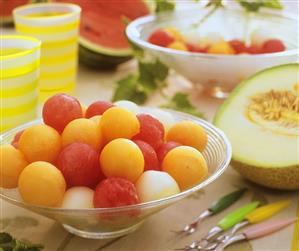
216 207
224 224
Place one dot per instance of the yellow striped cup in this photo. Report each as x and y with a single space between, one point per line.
57 26
19 72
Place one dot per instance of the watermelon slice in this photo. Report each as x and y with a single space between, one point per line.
6 8
102 31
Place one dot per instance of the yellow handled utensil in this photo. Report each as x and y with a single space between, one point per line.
256 216
265 212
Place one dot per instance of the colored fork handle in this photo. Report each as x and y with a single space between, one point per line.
226 201
236 216
265 212
263 229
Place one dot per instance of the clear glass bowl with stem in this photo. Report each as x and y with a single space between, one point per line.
100 223
218 74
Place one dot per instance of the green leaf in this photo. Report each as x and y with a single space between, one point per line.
180 102
5 237
215 3
255 5
273 4
130 89
152 75
7 243
164 5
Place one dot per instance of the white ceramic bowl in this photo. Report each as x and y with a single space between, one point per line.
218 72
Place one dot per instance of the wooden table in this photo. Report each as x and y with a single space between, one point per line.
155 233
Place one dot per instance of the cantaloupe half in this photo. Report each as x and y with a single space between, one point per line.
261 120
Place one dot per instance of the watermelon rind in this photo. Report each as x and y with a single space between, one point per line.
96 59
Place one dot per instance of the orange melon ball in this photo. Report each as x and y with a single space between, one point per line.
83 131
118 122
12 163
188 133
186 165
40 142
221 47
41 183
122 158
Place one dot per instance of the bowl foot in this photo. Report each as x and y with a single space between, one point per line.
102 235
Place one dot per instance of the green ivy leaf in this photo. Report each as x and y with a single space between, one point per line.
129 88
255 5
8 243
215 3
164 5
180 102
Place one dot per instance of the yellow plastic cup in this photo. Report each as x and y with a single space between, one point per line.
19 73
57 26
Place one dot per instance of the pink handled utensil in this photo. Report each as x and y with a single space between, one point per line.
257 231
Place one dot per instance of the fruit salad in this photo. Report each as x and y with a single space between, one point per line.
213 43
103 155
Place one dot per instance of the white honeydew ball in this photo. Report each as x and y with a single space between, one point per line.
129 105
155 185
260 35
191 36
214 37
78 197
164 117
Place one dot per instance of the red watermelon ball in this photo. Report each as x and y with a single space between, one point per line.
115 192
61 109
165 148
161 37
238 46
273 45
151 161
151 131
79 164
97 108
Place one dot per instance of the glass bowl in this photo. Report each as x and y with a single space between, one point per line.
218 74
103 223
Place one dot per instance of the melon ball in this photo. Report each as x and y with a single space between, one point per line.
118 122
188 133
96 119
12 163
78 197
122 158
165 148
98 108
79 164
151 161
83 131
41 183
222 47
61 109
40 143
151 130
129 105
115 192
155 185
177 45
186 165
164 117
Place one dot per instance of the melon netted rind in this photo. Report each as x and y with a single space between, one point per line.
98 60
286 178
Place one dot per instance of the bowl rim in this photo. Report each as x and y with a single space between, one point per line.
132 31
146 205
